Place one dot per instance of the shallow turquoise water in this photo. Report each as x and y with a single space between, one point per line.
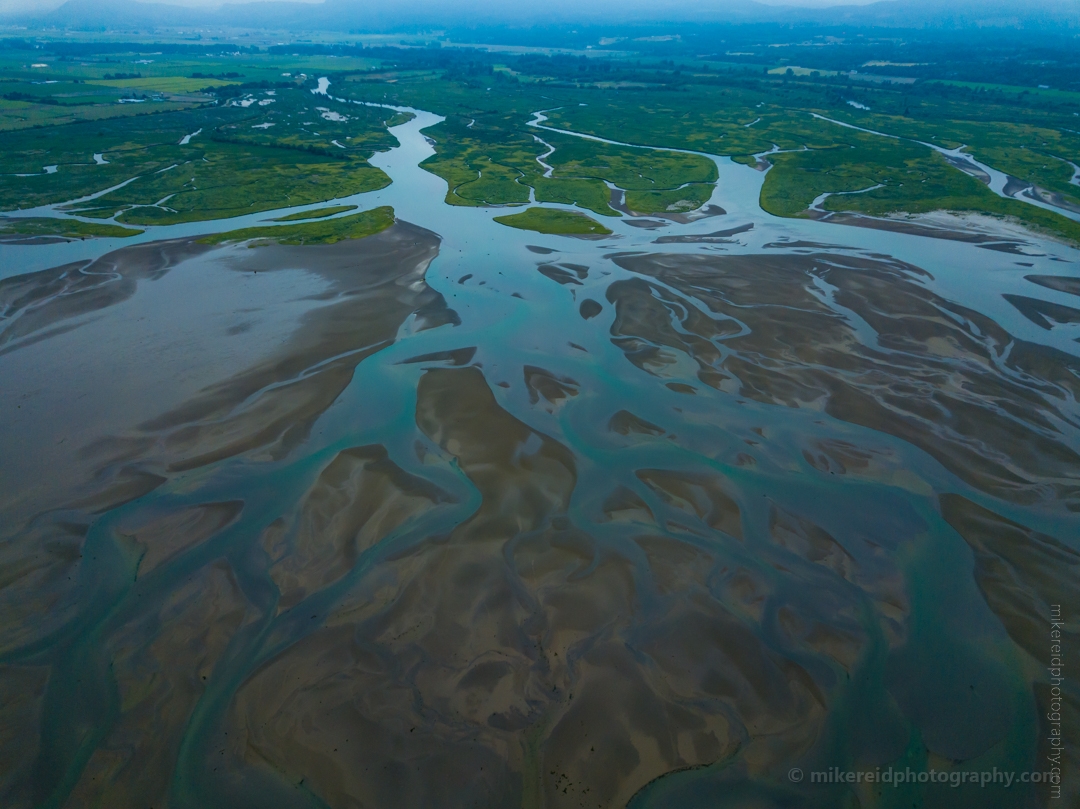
757 567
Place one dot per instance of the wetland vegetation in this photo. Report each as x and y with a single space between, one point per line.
742 117
542 220
32 227
318 231
264 140
319 213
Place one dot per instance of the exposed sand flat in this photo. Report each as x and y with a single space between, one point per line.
921 376
933 227
477 608
540 648
211 359
959 227
227 350
565 274
1043 314
718 236
162 660
1052 198
358 500
1057 282
1022 573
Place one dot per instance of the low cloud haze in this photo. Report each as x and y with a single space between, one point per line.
375 16
24 6
8 7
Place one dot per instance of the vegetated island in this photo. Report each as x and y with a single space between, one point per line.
261 140
561 223
249 149
38 227
318 213
323 231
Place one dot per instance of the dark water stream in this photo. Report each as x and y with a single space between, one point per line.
461 515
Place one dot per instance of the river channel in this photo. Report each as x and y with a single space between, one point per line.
464 515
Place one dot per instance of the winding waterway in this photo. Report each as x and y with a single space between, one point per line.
462 515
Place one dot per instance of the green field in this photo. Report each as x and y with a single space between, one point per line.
1037 94
162 84
29 115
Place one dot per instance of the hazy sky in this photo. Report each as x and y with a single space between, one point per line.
9 6
12 6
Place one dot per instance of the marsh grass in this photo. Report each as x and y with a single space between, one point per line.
284 152
319 213
245 159
326 231
546 220
66 228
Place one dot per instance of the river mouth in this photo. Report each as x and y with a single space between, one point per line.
459 515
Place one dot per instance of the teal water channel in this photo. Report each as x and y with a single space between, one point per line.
678 517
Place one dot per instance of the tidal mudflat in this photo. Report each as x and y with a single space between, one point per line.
465 515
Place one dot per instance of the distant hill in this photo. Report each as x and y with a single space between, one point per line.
369 16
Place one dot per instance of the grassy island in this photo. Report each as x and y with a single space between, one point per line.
562 223
357 226
62 228
318 213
